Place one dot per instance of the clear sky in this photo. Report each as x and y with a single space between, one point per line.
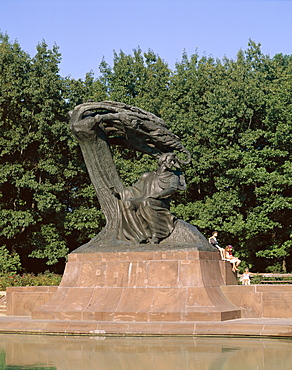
88 30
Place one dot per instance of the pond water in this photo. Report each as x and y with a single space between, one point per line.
44 352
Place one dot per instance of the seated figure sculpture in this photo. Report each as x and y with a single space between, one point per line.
145 205
139 214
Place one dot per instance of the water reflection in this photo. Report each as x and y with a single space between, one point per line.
139 353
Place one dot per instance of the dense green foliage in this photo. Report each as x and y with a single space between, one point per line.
233 115
47 203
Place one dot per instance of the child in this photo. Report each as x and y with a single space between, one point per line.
245 279
233 260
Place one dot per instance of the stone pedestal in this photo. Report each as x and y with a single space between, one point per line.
148 286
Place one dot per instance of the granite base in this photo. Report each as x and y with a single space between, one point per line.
143 287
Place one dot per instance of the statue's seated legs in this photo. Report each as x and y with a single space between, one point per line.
131 223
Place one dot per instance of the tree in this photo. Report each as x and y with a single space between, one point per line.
234 116
43 186
235 122
32 136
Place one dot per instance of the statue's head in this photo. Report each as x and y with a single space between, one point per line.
169 160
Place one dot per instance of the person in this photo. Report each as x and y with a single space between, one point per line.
233 260
145 206
213 241
245 279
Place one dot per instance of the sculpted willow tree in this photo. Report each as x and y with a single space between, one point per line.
139 214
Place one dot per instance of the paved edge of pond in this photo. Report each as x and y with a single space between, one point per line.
255 327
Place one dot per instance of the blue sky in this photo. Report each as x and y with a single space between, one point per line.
88 30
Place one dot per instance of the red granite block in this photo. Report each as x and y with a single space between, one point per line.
237 289
59 296
205 255
218 299
48 309
29 289
72 257
140 256
170 255
135 300
99 316
246 299
68 315
84 328
21 302
93 274
127 256
190 273
43 312
203 315
168 300
211 273
268 301
117 273
104 300
277 304
165 316
228 276
138 274
130 316
142 327
215 256
275 288
110 327
197 297
77 299
87 275
71 274
163 274
177 328
83 257
193 255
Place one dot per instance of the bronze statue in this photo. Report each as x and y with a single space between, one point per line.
145 205
139 214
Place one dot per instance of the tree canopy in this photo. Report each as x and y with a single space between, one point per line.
234 116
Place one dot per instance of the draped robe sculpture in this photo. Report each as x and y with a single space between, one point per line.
145 206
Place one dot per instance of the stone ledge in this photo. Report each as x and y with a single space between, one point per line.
258 301
239 327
